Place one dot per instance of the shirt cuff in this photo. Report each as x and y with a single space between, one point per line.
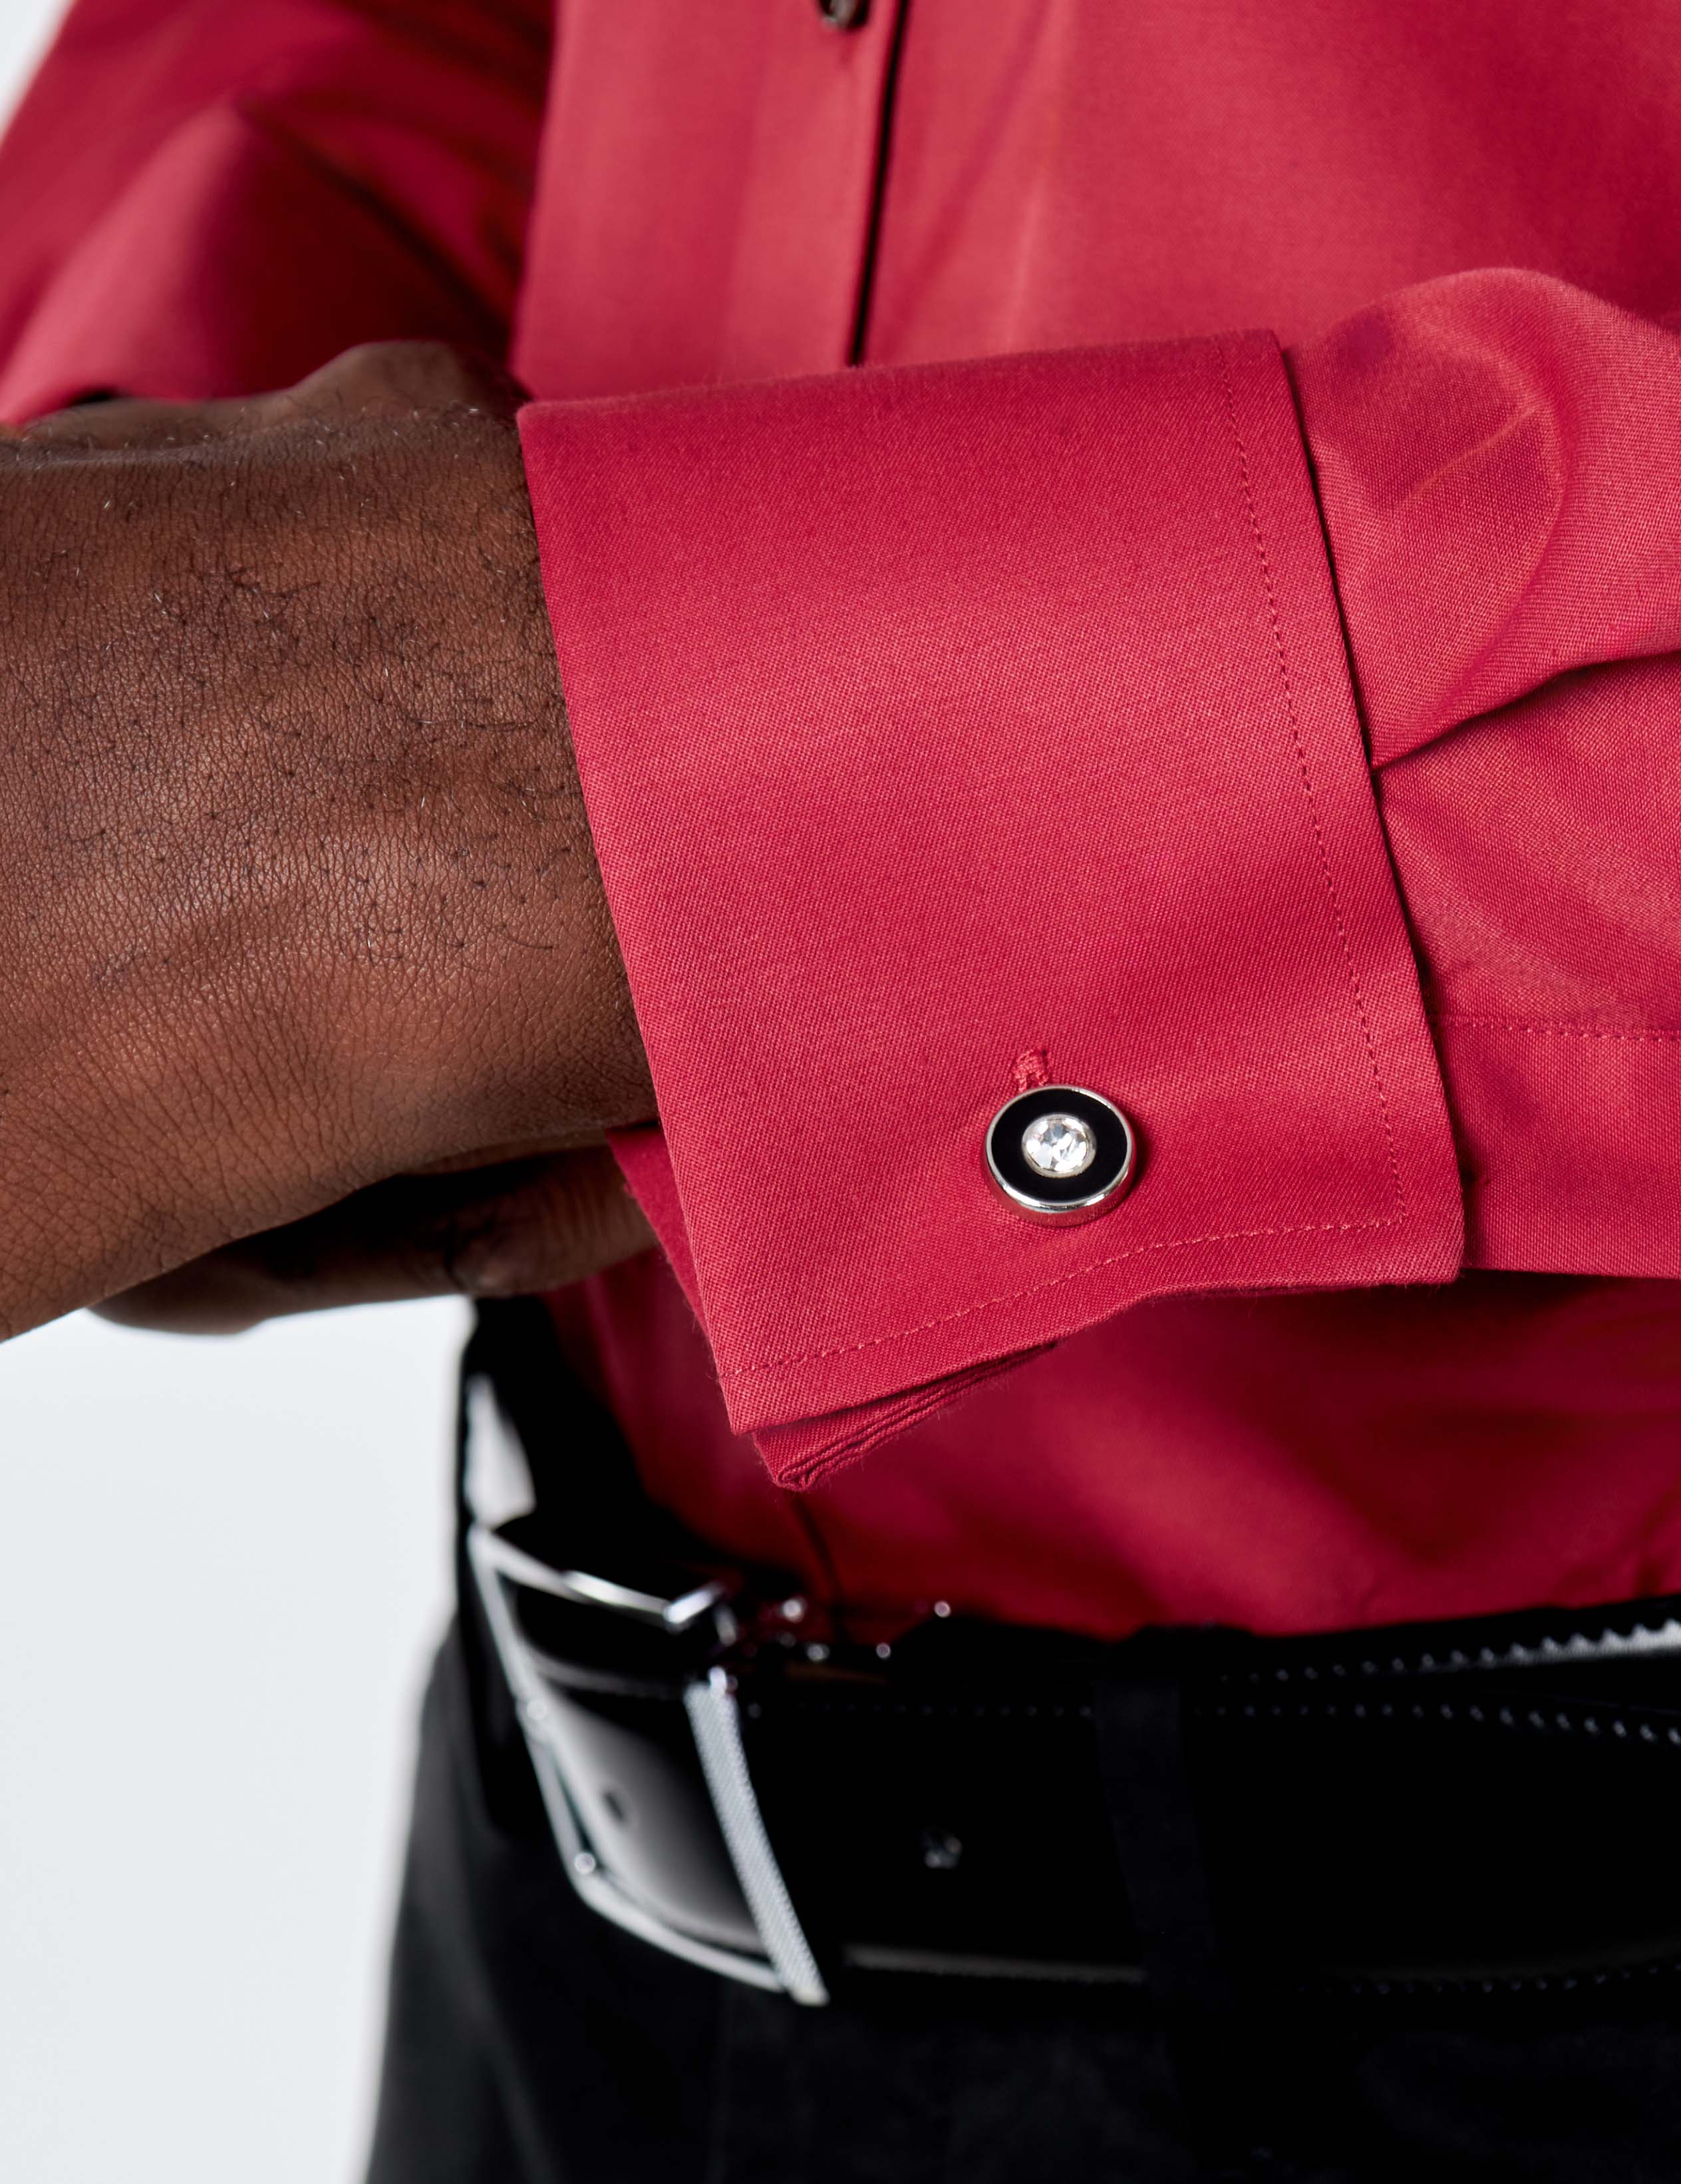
942 724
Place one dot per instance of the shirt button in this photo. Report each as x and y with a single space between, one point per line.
1061 1153
843 15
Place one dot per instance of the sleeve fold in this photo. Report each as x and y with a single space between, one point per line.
1497 457
269 184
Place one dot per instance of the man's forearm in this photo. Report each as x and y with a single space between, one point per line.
300 891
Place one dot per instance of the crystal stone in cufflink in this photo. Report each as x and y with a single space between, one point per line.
1059 1145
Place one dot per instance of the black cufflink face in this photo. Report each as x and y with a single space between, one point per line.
1060 1153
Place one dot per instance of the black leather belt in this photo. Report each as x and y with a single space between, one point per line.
738 1775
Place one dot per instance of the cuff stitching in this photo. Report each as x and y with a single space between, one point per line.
1320 843
1055 1281
1557 1027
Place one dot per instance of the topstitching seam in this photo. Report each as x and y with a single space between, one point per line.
1070 1274
1296 739
1558 1028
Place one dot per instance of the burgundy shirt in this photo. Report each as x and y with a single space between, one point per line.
1219 650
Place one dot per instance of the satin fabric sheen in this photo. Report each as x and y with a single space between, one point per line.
1278 739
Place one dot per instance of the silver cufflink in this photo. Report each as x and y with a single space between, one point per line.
1061 1153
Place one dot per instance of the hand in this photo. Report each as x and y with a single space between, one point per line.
299 898
506 1230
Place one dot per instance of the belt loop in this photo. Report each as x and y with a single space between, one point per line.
1211 2034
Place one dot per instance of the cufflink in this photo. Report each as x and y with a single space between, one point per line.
1061 1153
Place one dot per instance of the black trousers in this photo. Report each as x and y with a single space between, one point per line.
530 2042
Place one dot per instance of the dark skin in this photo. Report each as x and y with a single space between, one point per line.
311 990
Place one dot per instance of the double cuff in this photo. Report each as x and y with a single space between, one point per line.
954 735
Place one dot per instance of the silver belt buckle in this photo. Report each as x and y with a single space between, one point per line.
651 1802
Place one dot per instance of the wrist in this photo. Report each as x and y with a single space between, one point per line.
477 994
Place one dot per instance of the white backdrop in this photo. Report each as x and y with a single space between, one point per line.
222 1567
25 26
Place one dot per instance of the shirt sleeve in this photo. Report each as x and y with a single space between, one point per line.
1499 463
953 727
268 183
